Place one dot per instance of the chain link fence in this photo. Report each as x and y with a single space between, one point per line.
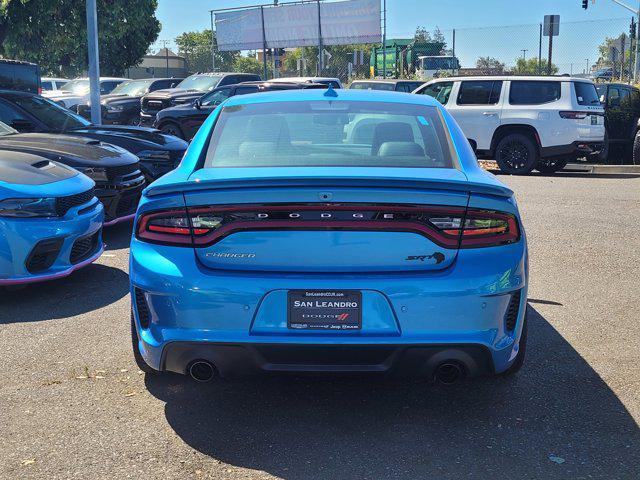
602 49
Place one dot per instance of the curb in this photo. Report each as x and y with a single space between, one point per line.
603 169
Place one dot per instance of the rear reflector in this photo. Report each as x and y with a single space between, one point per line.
449 227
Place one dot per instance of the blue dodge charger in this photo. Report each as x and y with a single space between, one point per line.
329 232
50 219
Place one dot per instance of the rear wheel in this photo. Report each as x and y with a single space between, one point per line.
551 165
519 361
516 154
171 128
142 365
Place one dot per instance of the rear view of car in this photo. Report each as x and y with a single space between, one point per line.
50 219
329 231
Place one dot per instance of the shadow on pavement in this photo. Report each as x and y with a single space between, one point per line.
555 419
118 236
85 290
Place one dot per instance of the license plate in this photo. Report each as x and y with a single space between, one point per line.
324 309
594 120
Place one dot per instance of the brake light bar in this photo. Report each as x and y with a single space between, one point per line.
574 115
449 227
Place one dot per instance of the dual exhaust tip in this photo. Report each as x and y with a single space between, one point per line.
202 371
449 373
446 373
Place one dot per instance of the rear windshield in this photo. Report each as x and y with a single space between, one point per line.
329 134
586 93
533 92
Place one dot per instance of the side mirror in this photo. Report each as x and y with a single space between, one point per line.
197 104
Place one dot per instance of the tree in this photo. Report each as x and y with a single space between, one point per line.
247 65
53 33
422 35
530 67
195 47
489 63
610 49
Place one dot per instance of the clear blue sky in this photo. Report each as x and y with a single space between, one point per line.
472 19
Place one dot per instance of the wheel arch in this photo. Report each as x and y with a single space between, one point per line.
519 128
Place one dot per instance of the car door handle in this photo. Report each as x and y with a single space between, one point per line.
489 114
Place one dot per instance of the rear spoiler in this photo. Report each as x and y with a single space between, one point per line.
481 187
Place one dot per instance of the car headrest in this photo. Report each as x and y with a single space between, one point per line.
390 132
269 128
400 149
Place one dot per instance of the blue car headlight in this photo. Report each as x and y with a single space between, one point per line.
28 207
97 174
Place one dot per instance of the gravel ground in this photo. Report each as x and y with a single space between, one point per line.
74 405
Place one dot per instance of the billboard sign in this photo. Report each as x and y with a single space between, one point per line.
299 25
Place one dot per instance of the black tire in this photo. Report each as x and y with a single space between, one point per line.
142 365
550 165
172 128
636 149
516 154
519 361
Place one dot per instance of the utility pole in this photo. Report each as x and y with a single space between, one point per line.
540 53
320 47
94 62
166 57
587 70
213 47
384 39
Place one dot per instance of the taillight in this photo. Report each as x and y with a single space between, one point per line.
575 115
449 227
170 227
482 228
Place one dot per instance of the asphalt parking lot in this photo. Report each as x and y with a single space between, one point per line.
75 406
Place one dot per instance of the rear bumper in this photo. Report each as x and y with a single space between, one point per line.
234 360
573 150
238 320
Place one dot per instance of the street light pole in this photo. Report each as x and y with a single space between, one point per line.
94 62
524 54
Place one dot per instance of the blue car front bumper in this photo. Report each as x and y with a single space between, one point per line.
39 249
410 321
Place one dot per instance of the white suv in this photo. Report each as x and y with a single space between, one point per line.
524 122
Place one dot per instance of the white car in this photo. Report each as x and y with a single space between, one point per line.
524 123
49 84
76 91
334 82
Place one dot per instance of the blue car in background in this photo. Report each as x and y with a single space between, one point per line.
50 219
325 231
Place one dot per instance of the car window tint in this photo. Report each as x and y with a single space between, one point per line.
9 114
479 92
51 114
215 98
365 134
245 90
47 85
614 97
586 93
441 91
533 92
